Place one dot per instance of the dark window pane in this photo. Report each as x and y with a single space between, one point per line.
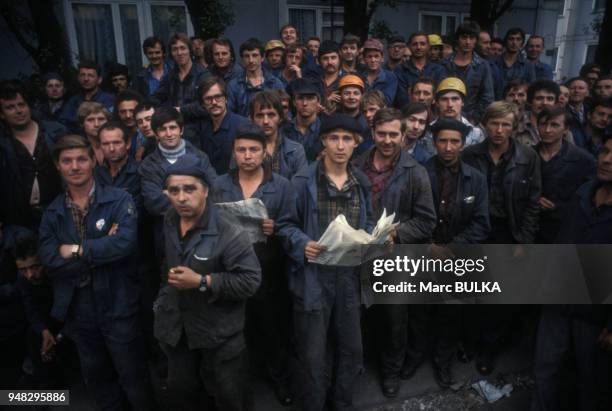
131 38
305 21
432 24
94 29
450 24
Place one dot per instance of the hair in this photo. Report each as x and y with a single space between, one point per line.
513 84
535 37
225 42
292 48
569 82
417 34
375 97
10 89
144 106
589 67
152 42
513 31
127 95
549 113
91 65
424 80
165 115
599 102
182 37
497 40
314 38
248 136
350 39
604 77
208 83
91 107
546 85
69 142
280 32
388 114
114 125
469 28
267 99
282 94
499 109
252 44
26 246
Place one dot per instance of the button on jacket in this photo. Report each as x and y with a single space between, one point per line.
469 221
522 186
110 259
128 180
216 246
407 74
240 92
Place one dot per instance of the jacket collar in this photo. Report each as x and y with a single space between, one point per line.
102 195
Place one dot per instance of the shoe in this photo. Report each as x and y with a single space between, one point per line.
283 395
443 376
410 368
485 362
390 387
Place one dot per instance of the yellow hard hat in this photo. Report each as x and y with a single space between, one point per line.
434 40
452 84
351 80
274 44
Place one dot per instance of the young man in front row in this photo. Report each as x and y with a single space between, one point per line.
267 313
401 186
327 299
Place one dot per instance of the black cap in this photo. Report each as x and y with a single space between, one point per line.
395 39
339 121
52 75
303 86
188 165
252 132
329 46
450 124
117 69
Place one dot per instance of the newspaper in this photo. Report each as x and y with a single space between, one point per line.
343 241
249 213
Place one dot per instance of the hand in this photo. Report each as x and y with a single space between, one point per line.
312 250
546 204
440 251
184 278
267 226
605 340
65 251
48 343
296 69
113 230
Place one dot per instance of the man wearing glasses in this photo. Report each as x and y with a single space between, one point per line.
217 129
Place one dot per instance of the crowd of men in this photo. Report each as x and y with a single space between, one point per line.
112 241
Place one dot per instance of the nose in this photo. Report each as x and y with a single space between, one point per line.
181 196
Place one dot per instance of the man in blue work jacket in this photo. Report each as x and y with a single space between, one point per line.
327 299
88 240
268 319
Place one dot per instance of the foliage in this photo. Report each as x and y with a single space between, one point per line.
210 17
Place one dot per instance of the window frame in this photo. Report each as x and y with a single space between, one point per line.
319 10
459 17
145 23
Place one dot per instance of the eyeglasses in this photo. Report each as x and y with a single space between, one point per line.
216 98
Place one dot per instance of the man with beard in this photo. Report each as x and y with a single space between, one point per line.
328 74
148 80
198 48
118 77
398 185
89 78
125 106
217 129
240 90
374 75
284 156
418 66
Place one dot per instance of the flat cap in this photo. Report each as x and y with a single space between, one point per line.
329 46
303 86
396 39
188 165
450 124
339 121
52 75
274 44
252 132
373 44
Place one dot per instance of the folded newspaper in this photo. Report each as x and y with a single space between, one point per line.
249 213
343 241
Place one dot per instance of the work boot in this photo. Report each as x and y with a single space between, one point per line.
443 375
390 387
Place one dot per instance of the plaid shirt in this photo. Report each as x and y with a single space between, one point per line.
273 161
379 178
332 201
79 217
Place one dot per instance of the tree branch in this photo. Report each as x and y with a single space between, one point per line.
504 8
6 14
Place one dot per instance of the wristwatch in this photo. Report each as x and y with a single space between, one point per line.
203 286
76 248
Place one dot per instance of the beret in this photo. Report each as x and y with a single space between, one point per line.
373 44
52 76
252 132
339 121
188 165
396 39
304 86
449 124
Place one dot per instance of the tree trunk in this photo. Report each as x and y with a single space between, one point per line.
486 12
603 57
356 19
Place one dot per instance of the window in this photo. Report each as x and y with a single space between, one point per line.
108 31
439 23
599 5
590 53
317 21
